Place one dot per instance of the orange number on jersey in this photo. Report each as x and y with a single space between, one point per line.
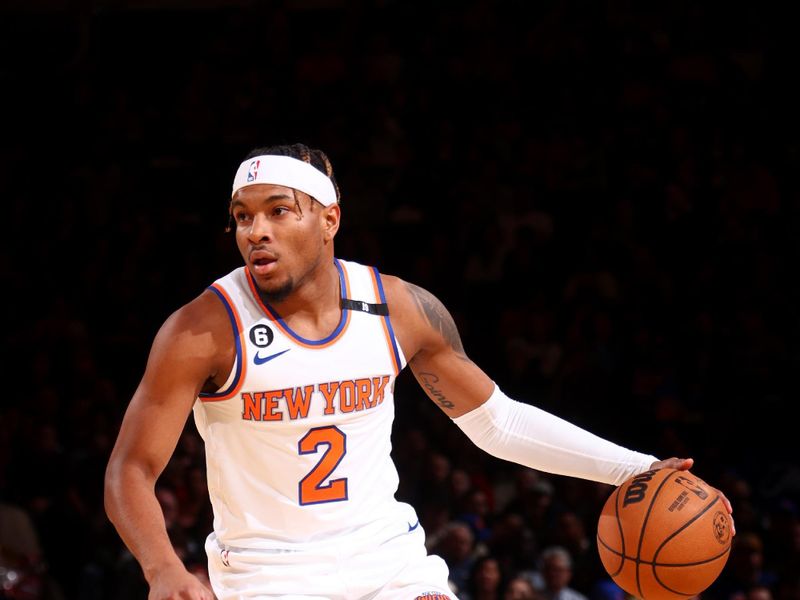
312 491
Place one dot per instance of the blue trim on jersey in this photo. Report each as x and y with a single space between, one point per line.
339 327
237 341
387 318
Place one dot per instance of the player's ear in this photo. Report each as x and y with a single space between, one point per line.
330 221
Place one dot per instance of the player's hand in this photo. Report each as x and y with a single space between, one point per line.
684 464
176 583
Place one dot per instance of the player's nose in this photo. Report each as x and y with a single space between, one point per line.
260 229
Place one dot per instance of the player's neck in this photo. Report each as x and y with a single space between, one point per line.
314 306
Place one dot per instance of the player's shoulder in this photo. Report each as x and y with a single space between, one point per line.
409 301
207 311
200 321
203 310
411 305
419 318
194 343
405 294
397 290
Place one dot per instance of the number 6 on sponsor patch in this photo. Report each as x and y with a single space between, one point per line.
311 488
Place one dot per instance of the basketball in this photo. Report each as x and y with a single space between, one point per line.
664 534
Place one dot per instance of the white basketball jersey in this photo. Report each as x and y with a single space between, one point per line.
298 440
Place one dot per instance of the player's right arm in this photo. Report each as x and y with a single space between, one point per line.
192 351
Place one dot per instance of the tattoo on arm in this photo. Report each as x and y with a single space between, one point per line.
438 317
428 380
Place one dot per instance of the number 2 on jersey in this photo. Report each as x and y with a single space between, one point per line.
312 490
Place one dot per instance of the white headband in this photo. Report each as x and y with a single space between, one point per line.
287 171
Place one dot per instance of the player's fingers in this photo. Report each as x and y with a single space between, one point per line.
729 507
682 464
726 502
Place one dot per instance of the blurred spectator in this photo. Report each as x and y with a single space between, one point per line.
569 532
477 513
759 592
458 549
460 488
436 478
520 588
534 501
555 575
512 542
486 580
435 518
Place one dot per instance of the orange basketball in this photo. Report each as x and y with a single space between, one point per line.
664 534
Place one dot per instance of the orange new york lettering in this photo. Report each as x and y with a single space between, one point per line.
252 406
298 401
378 389
363 389
271 406
347 396
329 391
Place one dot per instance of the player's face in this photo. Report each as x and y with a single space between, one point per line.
283 235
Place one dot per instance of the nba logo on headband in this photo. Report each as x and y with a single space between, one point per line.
252 170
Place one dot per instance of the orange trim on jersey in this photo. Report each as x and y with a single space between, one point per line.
241 354
276 319
384 320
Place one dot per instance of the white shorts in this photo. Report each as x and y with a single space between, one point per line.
384 568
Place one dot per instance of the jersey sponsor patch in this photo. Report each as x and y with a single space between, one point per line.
432 596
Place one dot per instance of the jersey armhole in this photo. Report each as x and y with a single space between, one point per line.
391 341
236 376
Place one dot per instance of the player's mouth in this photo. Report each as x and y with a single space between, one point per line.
262 262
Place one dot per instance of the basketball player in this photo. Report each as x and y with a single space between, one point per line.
289 364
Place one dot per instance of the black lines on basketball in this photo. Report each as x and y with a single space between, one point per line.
644 526
664 535
621 533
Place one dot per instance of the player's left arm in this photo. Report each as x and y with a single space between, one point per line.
499 425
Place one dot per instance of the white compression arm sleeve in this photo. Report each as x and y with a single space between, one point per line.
529 436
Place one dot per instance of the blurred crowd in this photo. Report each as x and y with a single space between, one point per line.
604 194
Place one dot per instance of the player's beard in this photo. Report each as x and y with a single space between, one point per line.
279 293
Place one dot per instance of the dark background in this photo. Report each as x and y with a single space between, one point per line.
604 194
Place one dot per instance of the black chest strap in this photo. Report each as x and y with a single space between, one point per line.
373 309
